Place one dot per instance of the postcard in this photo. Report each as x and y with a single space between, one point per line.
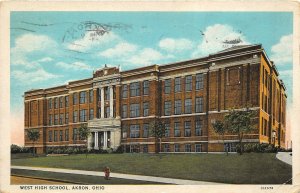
162 96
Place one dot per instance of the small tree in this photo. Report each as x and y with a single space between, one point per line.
33 135
220 129
157 130
84 133
240 123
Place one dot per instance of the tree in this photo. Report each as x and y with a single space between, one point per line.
84 133
240 122
220 129
33 135
157 130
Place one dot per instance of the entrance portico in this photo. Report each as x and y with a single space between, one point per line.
106 133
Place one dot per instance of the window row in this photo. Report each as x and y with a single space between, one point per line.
187 106
188 83
57 135
60 119
135 110
63 135
135 131
135 89
60 102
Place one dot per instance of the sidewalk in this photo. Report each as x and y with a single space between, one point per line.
119 175
285 157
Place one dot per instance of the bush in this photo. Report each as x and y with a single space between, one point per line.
119 149
18 149
259 148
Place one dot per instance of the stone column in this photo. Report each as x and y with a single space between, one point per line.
111 101
89 142
102 102
96 140
105 140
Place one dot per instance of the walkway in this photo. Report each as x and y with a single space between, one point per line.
285 157
118 175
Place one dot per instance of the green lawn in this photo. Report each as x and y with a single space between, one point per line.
251 168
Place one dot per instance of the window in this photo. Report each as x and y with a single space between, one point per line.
199 104
146 87
145 148
167 147
60 102
83 115
177 109
91 117
187 128
176 147
188 83
198 147
50 120
188 106
231 147
67 135
75 99
66 101
146 109
55 103
167 129
134 149
135 89
198 127
187 148
176 129
50 103
146 130
55 135
91 96
107 93
168 86
99 94
82 97
99 112
134 110
177 84
124 91
56 119
75 134
134 131
107 111
61 118
60 135
75 116
50 136
67 118
199 81
167 107
124 111
124 132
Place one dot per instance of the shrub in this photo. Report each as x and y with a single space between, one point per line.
259 148
18 149
119 149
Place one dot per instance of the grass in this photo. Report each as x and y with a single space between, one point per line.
75 178
251 168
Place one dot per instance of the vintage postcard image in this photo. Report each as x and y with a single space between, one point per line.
158 97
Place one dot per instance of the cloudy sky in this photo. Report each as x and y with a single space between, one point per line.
52 48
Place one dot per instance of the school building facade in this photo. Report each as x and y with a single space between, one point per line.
188 96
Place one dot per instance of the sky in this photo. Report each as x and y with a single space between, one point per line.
52 48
